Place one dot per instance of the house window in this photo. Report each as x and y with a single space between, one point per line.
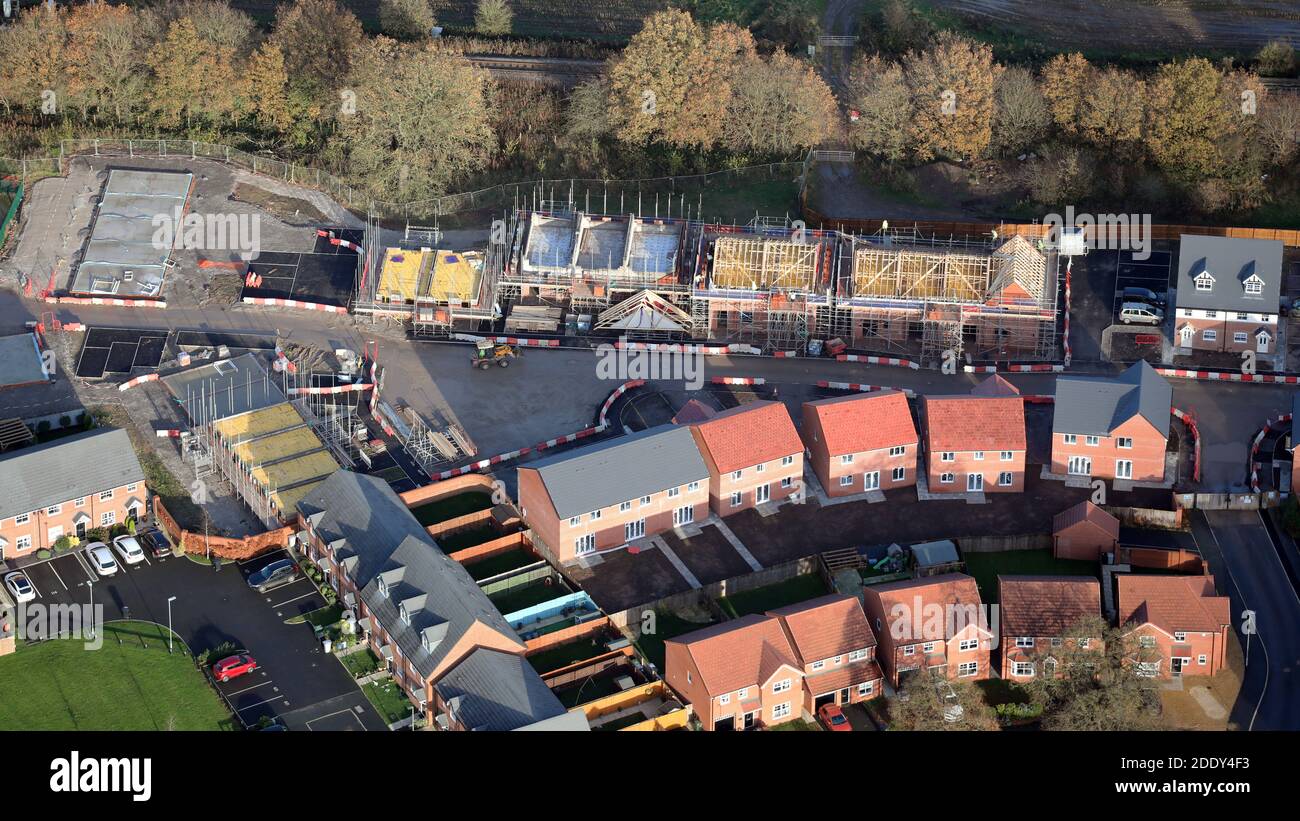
683 516
1146 642
645 500
584 544
846 481
781 711
846 459
595 514
818 665
979 456
968 668
693 486
1071 439
724 699
1201 659
105 495
634 530
1210 335
899 474
928 647
760 468
1091 441
742 693
130 488
1005 478
787 481
1123 469
674 492
1005 456
1211 314
53 510
781 686
946 478
857 655
1024 641
23 543
865 688
1239 337
1022 668
22 518
966 645
947 456
909 650
737 474
1079 466
1056 642
81 501
1083 643
1124 442
1204 282
787 461
1243 317
737 498
107 518
898 450
624 507
1180 637
1254 285
574 521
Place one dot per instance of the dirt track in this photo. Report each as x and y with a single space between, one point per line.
1113 25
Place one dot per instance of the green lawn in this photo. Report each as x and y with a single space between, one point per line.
762 599
500 563
130 683
431 513
667 626
360 663
986 567
388 699
565 654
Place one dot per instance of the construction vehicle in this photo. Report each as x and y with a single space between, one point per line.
487 352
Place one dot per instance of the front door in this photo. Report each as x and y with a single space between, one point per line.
844 696
748 722
81 529
871 481
1261 343
762 493
974 481
1176 666
683 515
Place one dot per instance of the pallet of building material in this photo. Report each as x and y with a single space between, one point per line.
535 318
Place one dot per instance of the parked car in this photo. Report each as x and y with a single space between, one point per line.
155 543
276 574
952 709
1132 294
129 549
1140 313
101 558
20 587
833 718
234 667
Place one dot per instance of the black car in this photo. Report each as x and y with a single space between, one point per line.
274 575
154 542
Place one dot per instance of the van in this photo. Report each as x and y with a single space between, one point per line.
1140 313
1146 295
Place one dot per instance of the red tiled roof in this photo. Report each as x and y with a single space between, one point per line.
826 627
744 436
1172 603
965 423
740 653
1086 511
692 412
865 422
1046 605
943 590
995 386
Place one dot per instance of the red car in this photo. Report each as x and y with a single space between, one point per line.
234 667
832 718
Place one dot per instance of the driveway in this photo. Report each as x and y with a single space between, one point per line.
295 682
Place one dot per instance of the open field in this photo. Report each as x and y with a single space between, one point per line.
131 683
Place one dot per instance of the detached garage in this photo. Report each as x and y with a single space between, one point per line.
1084 532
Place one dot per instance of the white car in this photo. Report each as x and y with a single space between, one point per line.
101 558
20 587
1141 313
129 549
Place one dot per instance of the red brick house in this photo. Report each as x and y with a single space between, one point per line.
935 623
1178 624
754 456
1039 617
974 443
1084 532
862 442
1112 428
737 675
836 648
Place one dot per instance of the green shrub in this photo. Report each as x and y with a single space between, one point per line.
217 653
1012 711
62 543
43 426
42 554
97 534
65 421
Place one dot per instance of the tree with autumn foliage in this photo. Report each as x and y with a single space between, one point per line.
191 78
878 91
1065 82
779 105
106 75
951 84
318 39
266 88
34 50
1187 118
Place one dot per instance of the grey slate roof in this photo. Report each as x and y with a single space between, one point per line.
370 527
495 691
616 470
1095 405
1230 261
53 473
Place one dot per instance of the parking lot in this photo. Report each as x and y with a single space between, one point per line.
1151 273
295 682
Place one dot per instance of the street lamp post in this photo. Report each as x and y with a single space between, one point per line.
169 623
90 585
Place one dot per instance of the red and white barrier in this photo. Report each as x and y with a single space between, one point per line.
878 360
522 342
1231 376
785 354
331 390
72 326
855 386
294 303
101 300
601 421
139 380
738 380
1065 339
669 347
1190 421
167 433
1041 367
1254 448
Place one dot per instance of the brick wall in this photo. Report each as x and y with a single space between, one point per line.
223 547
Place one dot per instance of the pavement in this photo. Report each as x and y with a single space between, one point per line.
295 682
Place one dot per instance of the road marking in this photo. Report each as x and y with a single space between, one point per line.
85 566
57 576
299 598
331 715
260 703
254 687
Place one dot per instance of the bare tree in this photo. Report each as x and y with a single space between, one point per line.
1021 119
878 91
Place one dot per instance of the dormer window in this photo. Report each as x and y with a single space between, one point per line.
383 587
1204 281
424 641
406 614
1253 285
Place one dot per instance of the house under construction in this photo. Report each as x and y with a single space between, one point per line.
909 295
435 291
245 431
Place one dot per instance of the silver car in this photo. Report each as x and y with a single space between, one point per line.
20 587
101 558
129 549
